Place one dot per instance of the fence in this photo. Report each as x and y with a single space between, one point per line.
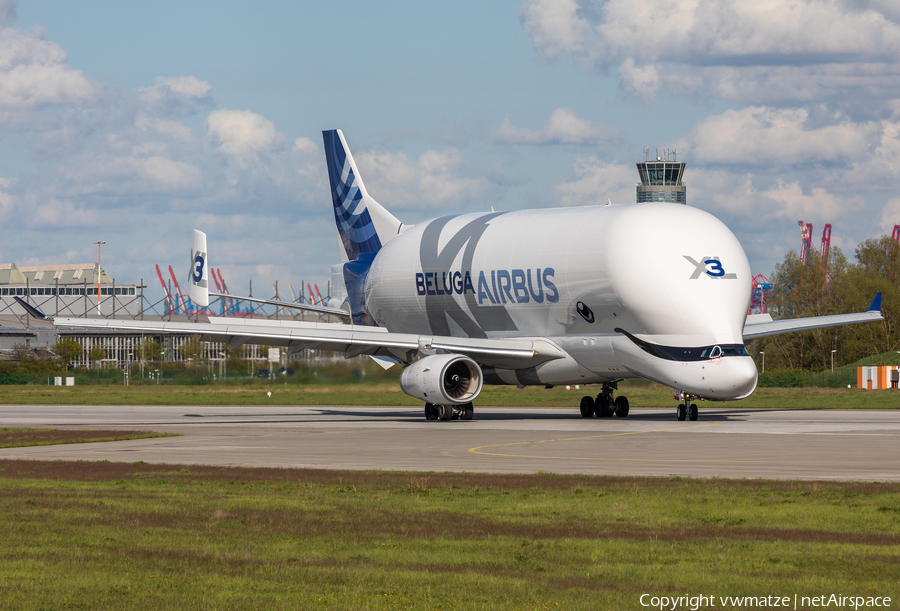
122 377
807 379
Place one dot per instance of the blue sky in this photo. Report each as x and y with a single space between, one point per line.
134 122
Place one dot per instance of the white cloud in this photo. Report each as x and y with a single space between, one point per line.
59 214
242 132
556 27
173 129
757 200
597 182
877 170
7 200
123 169
34 73
431 180
171 95
770 137
758 52
890 215
305 145
821 147
563 127
792 203
222 226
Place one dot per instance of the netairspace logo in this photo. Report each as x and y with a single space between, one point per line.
823 601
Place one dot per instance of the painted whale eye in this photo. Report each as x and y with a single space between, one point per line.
585 311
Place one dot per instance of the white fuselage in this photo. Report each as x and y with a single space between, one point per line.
585 278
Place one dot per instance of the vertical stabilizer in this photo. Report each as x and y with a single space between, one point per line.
198 283
363 224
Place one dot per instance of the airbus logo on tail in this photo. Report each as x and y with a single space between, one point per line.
711 266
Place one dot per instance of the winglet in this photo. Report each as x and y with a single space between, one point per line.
32 311
875 306
198 283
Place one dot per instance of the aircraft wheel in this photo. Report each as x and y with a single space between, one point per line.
468 411
621 407
431 412
682 412
694 412
605 407
587 407
445 412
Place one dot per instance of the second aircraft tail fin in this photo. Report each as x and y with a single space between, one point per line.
198 283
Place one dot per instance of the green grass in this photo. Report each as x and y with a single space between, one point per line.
19 438
111 536
639 395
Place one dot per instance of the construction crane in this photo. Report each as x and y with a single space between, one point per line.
219 290
826 246
181 300
761 285
895 235
806 243
229 305
165 289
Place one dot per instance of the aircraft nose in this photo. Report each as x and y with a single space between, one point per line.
742 375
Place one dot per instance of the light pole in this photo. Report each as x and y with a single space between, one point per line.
832 361
764 361
99 244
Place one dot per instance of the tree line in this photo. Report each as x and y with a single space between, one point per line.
838 287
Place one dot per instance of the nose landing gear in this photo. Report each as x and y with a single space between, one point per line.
687 410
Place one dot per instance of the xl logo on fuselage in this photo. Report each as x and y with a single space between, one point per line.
711 266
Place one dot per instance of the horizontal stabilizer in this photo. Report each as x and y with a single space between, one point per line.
32 311
287 304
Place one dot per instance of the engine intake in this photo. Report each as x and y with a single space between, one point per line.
443 379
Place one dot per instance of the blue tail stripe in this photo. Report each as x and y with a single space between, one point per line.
354 223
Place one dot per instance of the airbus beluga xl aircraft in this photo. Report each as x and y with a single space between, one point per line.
584 295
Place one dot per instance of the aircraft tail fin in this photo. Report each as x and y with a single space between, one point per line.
363 224
198 283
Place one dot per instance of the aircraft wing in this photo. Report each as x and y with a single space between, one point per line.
351 339
287 304
763 325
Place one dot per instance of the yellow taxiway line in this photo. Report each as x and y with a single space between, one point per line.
479 450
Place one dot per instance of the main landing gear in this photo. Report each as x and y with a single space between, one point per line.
687 410
604 405
449 412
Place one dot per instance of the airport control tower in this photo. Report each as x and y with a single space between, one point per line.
661 178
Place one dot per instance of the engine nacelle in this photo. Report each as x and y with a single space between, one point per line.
443 379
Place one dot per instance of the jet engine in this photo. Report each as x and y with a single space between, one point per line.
443 379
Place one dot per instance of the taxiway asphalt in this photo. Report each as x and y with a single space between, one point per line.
735 443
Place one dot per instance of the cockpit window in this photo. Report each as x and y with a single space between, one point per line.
675 353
